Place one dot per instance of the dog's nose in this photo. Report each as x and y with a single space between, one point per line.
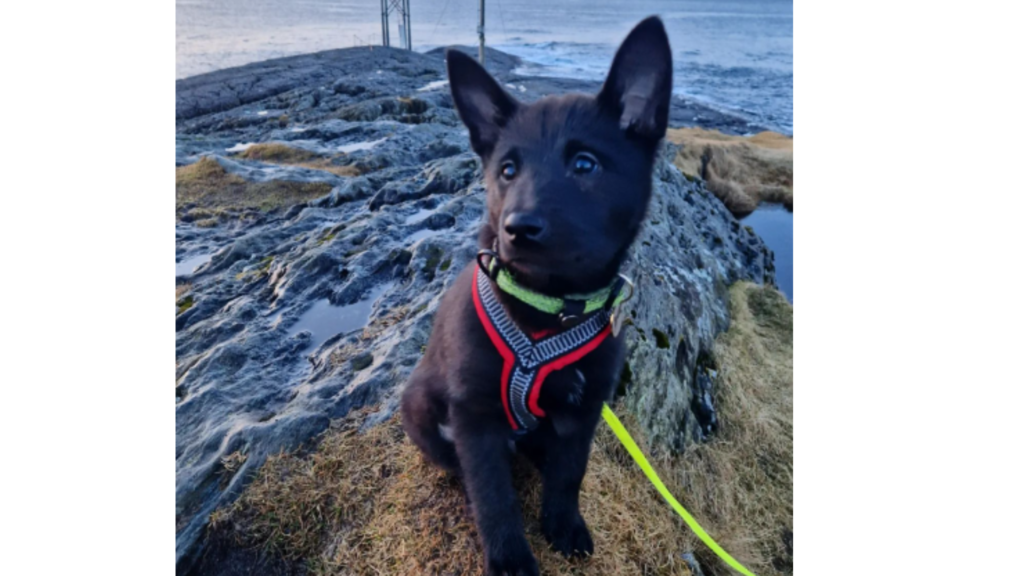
525 227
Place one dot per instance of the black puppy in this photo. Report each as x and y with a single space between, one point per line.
516 357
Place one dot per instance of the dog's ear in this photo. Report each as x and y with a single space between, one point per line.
483 106
638 89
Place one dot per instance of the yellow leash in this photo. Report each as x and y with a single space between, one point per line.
641 460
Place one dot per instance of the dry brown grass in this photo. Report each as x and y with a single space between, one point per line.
325 164
379 325
209 187
742 171
740 484
367 502
182 289
276 153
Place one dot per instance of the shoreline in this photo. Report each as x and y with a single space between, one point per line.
308 70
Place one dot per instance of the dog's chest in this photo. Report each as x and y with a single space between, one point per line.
565 387
562 398
575 387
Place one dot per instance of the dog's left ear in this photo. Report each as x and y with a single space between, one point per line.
639 86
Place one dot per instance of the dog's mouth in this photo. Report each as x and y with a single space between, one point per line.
530 271
541 271
529 267
555 269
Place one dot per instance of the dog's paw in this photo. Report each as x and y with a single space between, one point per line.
514 558
568 534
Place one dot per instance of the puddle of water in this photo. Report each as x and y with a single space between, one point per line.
421 234
350 148
420 215
325 320
774 224
433 85
187 266
240 147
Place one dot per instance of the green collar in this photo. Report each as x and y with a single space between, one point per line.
553 305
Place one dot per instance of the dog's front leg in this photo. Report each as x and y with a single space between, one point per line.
564 467
483 451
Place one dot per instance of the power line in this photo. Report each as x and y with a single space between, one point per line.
501 13
434 33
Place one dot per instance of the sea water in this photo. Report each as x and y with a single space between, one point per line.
774 224
733 55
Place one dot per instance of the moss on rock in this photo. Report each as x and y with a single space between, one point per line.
206 184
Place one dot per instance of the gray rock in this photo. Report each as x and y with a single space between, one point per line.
361 361
685 258
691 561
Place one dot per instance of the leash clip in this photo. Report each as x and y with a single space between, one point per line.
630 284
616 318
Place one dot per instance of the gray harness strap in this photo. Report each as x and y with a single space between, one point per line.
528 361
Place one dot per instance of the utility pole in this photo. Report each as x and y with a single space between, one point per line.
404 22
480 30
408 26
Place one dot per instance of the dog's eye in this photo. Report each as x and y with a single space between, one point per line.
508 170
584 163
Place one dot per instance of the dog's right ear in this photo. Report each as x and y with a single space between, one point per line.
481 103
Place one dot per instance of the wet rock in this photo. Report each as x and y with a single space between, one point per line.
231 88
446 175
361 361
691 562
388 108
440 220
703 406
347 88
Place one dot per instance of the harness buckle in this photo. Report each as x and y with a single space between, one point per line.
572 313
569 320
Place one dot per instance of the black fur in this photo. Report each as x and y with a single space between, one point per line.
561 229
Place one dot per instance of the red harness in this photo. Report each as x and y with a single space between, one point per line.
528 360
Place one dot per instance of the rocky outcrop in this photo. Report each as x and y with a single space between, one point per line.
247 100
294 317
